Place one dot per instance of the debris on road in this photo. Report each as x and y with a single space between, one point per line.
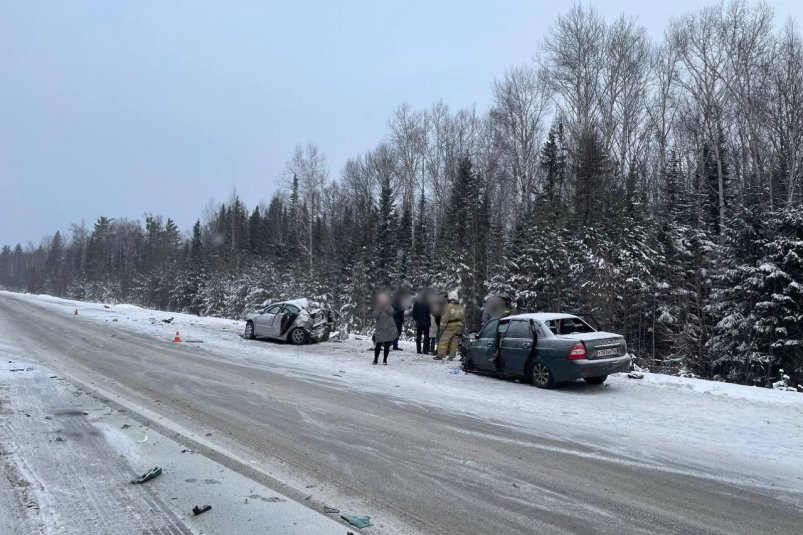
168 320
635 375
125 426
330 510
147 476
200 510
358 521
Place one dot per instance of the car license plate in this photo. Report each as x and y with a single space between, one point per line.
607 352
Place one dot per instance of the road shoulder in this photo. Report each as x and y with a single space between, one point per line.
67 461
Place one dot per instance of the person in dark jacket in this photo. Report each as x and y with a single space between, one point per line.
385 332
421 318
399 309
437 303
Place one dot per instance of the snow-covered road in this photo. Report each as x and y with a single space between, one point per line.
659 455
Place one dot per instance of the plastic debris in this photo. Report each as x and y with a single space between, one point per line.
635 375
358 521
147 476
200 510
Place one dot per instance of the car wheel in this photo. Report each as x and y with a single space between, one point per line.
297 336
541 376
595 380
249 330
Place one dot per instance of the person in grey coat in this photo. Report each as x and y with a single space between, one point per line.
386 331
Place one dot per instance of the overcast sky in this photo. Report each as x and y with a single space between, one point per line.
126 107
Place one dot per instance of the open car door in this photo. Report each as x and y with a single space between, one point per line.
516 345
482 349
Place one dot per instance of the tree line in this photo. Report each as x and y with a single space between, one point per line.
656 184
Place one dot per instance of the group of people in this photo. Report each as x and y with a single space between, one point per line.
439 321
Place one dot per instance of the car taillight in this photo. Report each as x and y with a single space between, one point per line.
578 352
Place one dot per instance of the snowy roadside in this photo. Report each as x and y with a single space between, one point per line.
746 435
67 460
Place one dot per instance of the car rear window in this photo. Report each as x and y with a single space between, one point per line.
568 326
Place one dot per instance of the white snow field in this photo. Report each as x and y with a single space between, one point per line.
744 435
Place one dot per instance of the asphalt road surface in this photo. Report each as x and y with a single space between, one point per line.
421 469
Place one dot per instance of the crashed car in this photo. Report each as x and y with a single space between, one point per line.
545 348
298 322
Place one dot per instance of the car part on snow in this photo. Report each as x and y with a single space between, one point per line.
200 510
147 476
635 375
358 521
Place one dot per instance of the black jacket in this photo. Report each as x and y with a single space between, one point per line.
398 314
421 314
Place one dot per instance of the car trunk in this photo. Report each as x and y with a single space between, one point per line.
600 345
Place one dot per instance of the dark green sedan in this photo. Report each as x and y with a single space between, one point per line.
546 348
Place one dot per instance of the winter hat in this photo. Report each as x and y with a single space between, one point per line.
452 296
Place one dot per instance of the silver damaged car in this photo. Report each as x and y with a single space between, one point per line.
299 321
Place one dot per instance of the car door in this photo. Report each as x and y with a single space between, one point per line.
516 345
482 348
285 319
263 323
275 328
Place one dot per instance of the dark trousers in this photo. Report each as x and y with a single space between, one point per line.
421 332
399 330
384 346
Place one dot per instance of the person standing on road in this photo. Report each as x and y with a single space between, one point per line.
399 309
422 320
451 326
385 331
437 303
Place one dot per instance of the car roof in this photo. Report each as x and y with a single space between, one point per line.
302 302
541 316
